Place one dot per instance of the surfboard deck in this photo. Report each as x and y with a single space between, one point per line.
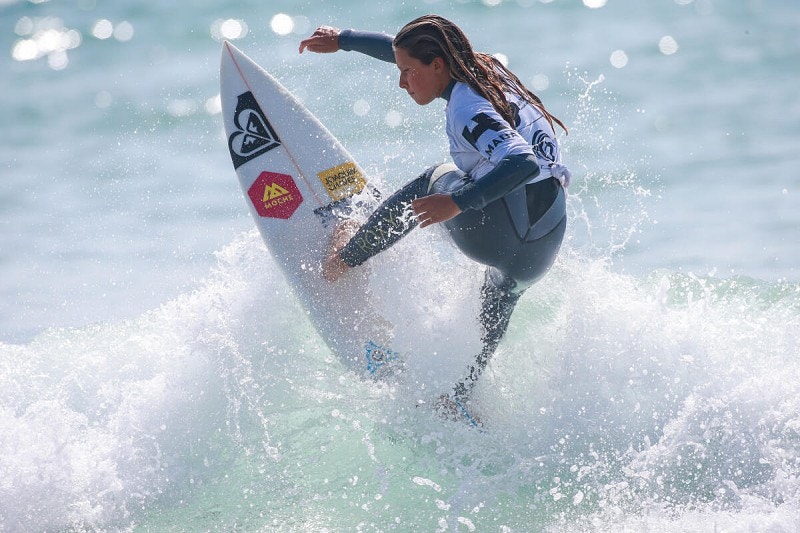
299 182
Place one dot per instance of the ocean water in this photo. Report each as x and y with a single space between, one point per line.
156 375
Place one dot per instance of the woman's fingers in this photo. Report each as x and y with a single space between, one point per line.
325 39
434 209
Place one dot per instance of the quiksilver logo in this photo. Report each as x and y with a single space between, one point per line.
254 134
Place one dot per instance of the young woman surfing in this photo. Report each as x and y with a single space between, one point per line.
502 202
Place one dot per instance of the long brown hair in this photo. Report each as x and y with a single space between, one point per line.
432 36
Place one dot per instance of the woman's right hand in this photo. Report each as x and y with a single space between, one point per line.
324 40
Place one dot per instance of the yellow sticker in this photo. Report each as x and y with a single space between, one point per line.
342 181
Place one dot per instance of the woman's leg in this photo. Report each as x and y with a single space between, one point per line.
514 263
389 223
498 300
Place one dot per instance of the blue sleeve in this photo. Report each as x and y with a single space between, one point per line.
373 44
510 173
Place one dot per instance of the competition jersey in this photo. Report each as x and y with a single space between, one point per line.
480 137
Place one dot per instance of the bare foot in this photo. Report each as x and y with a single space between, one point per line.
332 266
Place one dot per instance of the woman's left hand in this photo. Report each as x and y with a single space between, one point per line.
434 208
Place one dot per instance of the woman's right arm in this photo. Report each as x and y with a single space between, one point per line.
327 39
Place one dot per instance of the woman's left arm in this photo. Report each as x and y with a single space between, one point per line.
512 172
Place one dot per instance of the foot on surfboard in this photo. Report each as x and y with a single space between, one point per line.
455 410
332 266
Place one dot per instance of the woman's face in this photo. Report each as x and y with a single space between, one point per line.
424 83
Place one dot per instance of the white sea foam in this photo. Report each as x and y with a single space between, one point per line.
613 400
657 400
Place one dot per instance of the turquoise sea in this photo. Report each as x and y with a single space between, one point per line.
157 375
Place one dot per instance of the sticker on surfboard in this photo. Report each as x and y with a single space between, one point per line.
254 134
342 181
275 195
380 359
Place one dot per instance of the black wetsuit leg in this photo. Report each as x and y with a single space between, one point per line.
389 223
498 301
514 261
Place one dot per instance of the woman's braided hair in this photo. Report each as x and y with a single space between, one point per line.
432 36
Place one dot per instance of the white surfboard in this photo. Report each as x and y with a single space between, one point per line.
298 182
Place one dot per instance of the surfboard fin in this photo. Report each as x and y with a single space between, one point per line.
380 360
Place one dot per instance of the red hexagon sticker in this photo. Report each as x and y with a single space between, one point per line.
275 195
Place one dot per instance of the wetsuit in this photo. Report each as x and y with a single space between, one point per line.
504 181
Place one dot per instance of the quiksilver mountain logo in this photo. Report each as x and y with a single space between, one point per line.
254 134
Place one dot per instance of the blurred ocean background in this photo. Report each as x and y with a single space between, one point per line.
156 375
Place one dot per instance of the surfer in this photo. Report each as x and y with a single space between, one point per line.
503 202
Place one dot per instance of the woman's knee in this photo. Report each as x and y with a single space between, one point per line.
445 178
